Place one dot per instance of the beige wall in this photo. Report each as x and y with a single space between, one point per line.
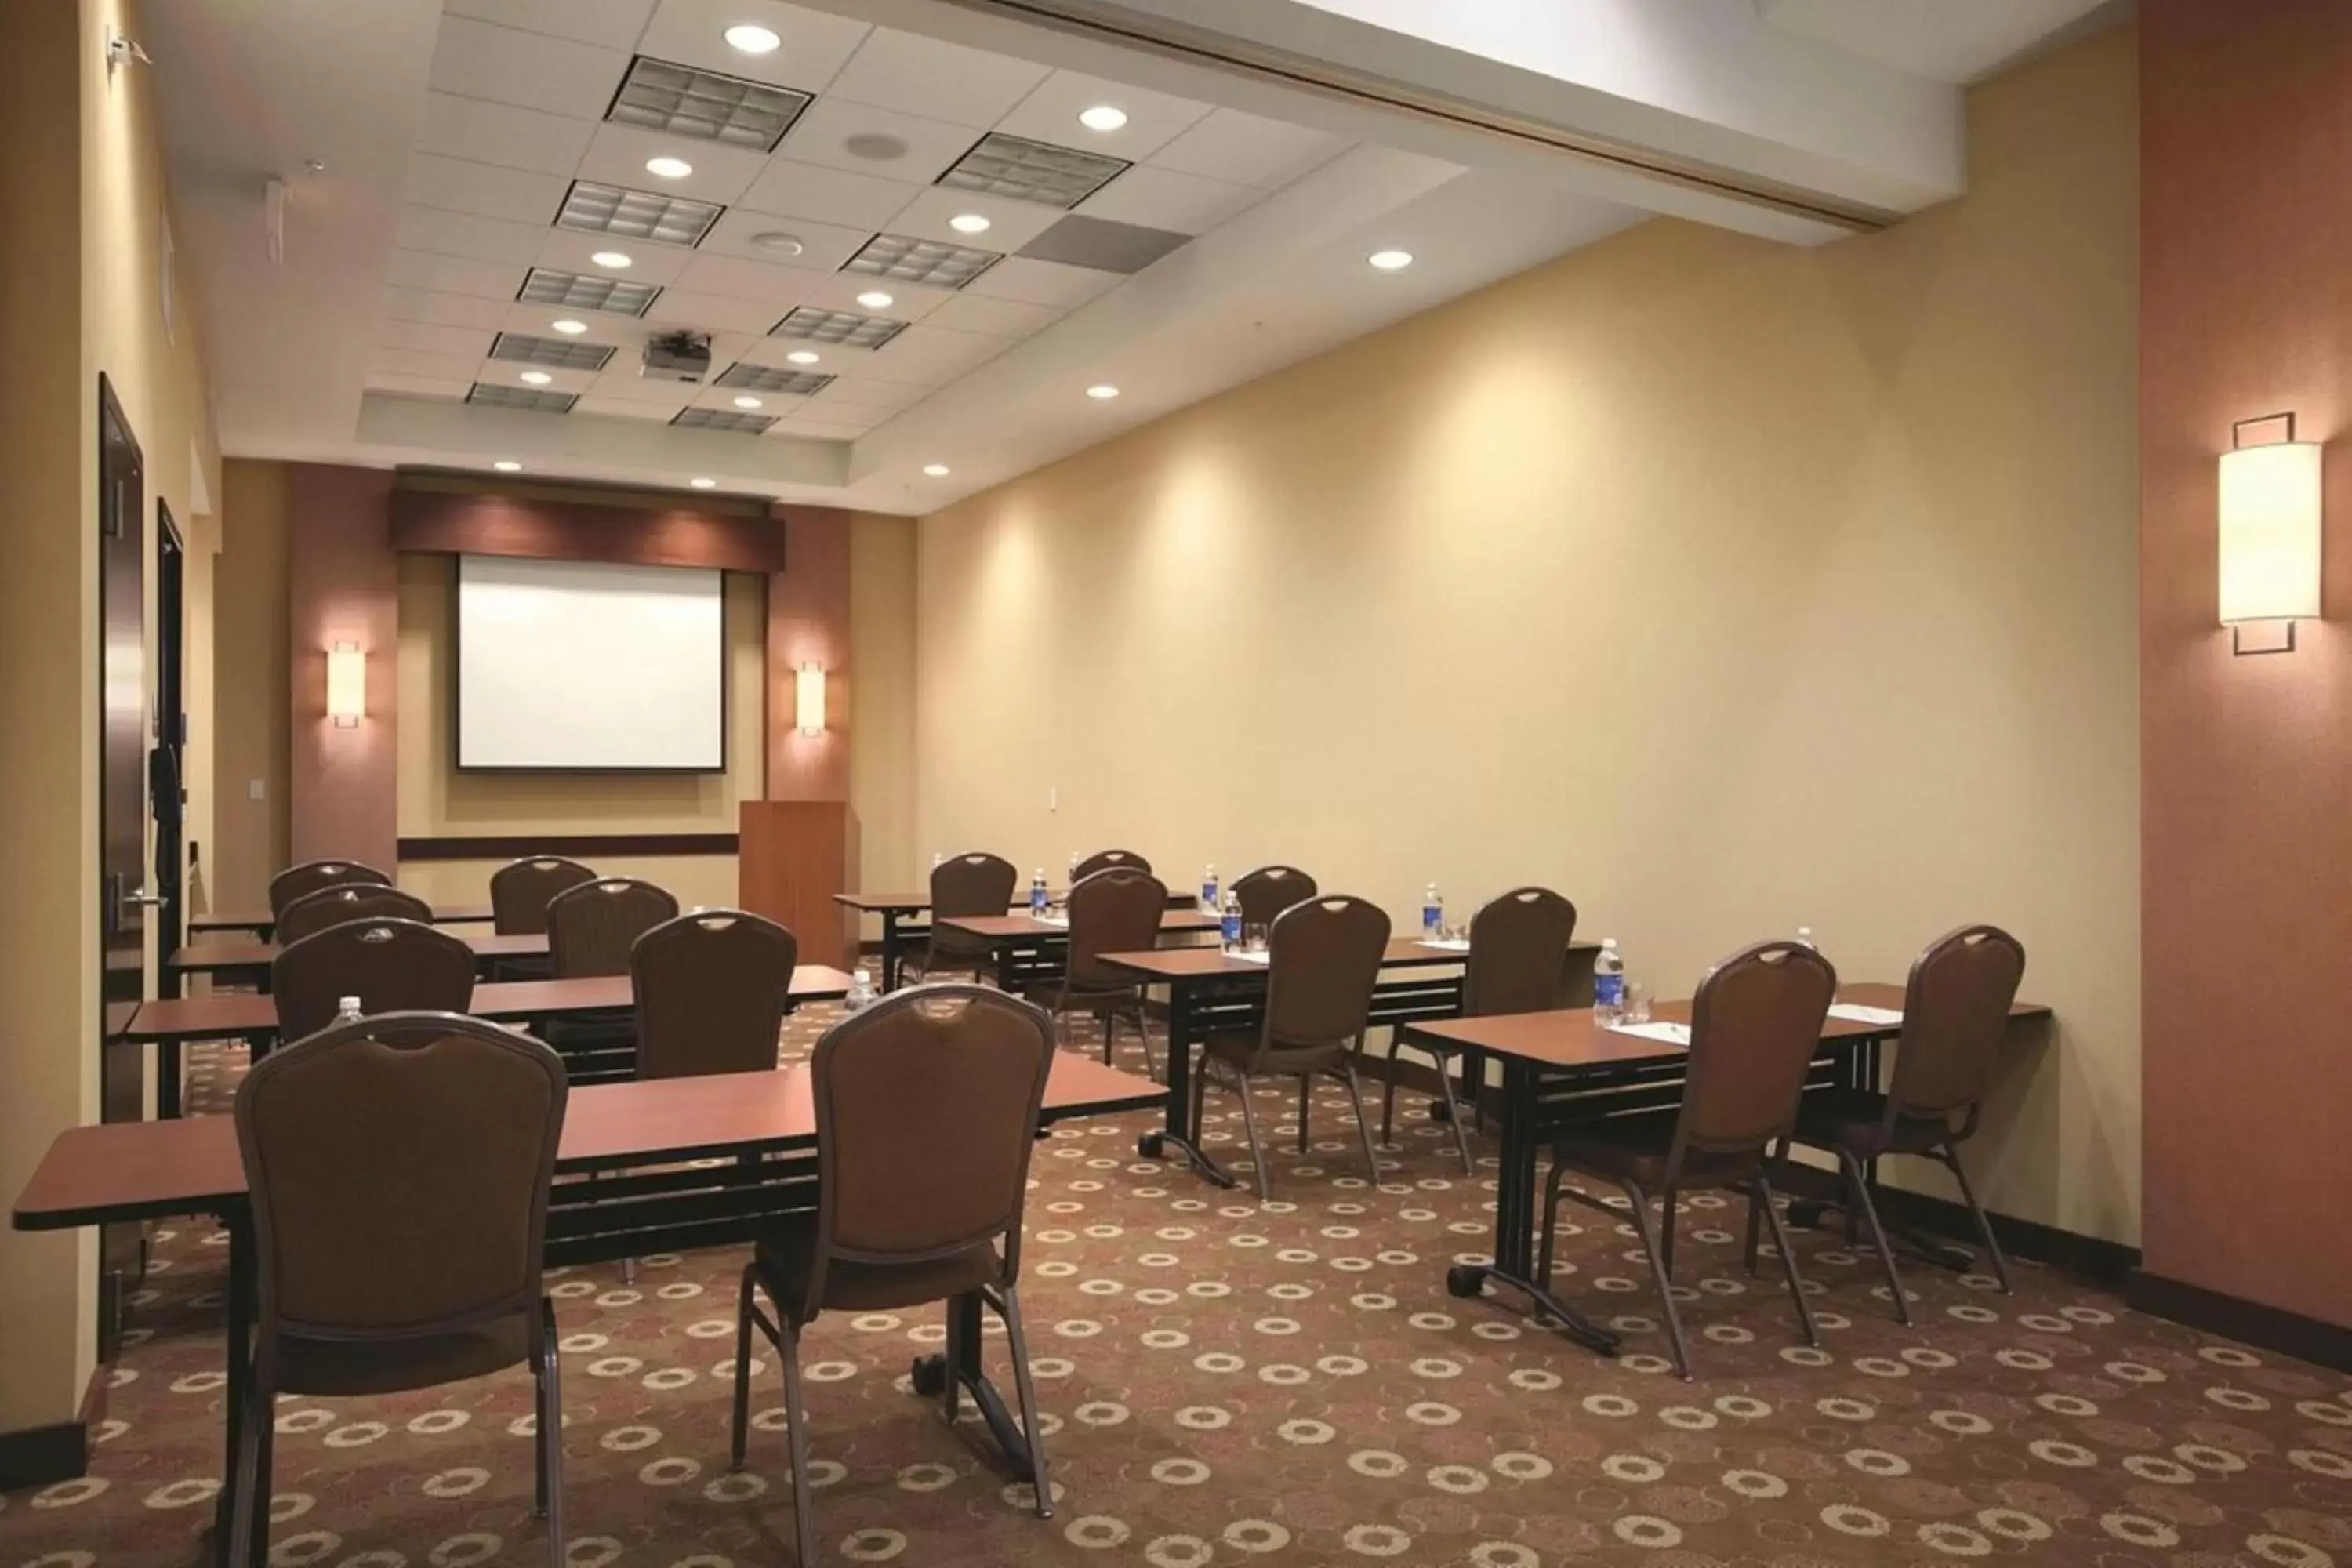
881 701
1726 587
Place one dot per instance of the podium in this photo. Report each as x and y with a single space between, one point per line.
791 857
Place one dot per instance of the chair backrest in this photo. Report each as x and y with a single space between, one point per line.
976 883
1955 1013
1755 1026
1518 953
313 875
391 966
712 989
399 1169
352 901
1113 910
519 891
592 927
1265 892
927 1109
1104 860
1322 958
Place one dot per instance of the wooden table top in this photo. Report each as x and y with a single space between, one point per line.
1570 1037
254 919
1015 927
916 903
1163 964
133 1170
200 957
232 1015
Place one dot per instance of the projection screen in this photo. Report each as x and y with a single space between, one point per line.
576 666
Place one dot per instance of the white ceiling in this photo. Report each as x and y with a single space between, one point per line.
449 139
1938 39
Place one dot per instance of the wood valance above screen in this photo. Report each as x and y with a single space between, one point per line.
635 531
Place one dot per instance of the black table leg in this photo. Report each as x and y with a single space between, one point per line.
1179 1134
1514 1220
889 949
237 1352
167 1080
930 1375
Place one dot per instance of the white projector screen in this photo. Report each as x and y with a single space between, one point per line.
576 666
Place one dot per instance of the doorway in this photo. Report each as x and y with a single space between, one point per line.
167 793
123 897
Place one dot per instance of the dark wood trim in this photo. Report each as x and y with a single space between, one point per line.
2268 1328
44 1456
579 845
449 523
2087 1256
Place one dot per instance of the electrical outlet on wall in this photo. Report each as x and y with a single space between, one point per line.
254 789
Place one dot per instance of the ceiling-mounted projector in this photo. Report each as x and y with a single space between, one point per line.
677 356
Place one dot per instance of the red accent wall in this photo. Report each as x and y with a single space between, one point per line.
343 584
2246 309
808 621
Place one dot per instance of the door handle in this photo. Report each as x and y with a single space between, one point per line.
127 898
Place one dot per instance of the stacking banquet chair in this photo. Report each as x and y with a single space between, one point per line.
926 1110
1322 959
399 1171
1104 860
973 884
521 891
1265 892
1955 1011
712 989
1517 960
352 901
1755 1026
313 875
591 930
391 966
1114 911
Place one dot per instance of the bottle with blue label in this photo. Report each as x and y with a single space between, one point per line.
1230 924
1209 891
1037 891
1432 915
1608 983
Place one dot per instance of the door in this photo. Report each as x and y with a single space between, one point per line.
122 817
167 796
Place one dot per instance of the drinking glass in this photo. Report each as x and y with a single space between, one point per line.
1637 1003
1254 937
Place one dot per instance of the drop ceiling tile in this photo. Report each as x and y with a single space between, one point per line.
532 70
1004 318
617 156
454 274
777 288
1247 149
448 233
423 337
693 32
824 245
444 310
435 366
625 408
930 355
567 251
832 358
613 24
812 190
860 392
771 406
507 373
1050 113
835 423
909 301
823 133
603 326
501 133
683 307
486 190
622 383
1164 198
1011 224
935 78
416 385
1033 283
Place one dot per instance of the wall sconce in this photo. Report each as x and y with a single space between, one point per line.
808 690
346 685
2270 532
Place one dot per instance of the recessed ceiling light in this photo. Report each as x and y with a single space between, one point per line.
535 378
1102 117
669 168
507 466
778 243
875 300
569 328
702 484
1391 260
936 471
804 356
967 223
875 147
613 260
747 402
1102 394
750 38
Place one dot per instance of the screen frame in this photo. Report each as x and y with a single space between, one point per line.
539 770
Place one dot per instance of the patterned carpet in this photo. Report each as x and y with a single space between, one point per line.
1229 1383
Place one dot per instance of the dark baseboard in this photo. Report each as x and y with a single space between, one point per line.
43 1455
2269 1328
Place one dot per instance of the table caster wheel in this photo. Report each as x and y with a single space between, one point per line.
930 1375
1149 1145
1464 1280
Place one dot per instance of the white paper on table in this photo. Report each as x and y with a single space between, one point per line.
1250 957
1450 943
1855 1013
1672 1033
1051 919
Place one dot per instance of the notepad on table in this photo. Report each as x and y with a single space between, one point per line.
1449 943
1671 1034
1051 919
1250 957
1855 1013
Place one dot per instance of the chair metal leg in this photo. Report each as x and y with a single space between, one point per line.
549 1445
1788 1261
1249 1124
252 1461
1984 1221
1363 1122
1109 1025
952 1370
1200 1088
743 1309
1780 1158
1018 1341
1444 1061
1667 1207
796 1433
1550 1221
1388 1088
1305 1085
1858 1178
1143 1032
1642 1223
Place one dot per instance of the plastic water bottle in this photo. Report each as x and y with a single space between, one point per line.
1209 891
347 1010
1230 923
939 858
1805 937
1071 881
1432 915
861 990
1608 983
1037 891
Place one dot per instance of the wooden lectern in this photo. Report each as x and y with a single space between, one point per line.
793 857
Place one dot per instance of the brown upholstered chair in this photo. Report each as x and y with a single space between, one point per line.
712 989
1517 960
592 927
352 901
1322 959
926 1110
971 884
1755 1026
313 875
391 966
1112 910
399 1170
521 890
1955 1014
1105 859
1265 892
